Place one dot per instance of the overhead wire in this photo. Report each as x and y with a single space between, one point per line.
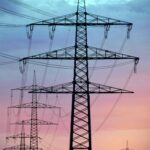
58 70
32 8
119 97
115 62
7 25
57 100
112 69
102 45
11 12
46 144
9 56
7 63
51 118
51 37
24 72
27 6
115 104
55 130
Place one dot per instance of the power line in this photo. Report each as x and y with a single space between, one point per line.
114 105
7 63
31 8
11 12
9 56
112 68
7 25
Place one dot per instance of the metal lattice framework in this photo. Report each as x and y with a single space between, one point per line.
22 138
34 121
127 147
81 53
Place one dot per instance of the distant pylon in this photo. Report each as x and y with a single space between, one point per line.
22 136
127 146
34 121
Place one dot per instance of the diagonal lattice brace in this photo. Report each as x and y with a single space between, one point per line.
67 88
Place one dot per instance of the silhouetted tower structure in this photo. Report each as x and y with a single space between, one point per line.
34 121
127 147
81 53
22 136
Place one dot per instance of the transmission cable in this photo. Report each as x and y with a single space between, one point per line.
31 8
115 62
11 12
102 45
55 130
7 63
24 72
51 36
9 56
111 70
117 100
7 25
115 104
51 118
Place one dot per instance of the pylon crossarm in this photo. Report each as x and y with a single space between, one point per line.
26 105
67 88
61 88
41 105
68 54
16 148
18 136
98 53
99 88
38 105
68 19
27 88
101 20
39 122
65 53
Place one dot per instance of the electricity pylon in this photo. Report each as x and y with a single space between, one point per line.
81 53
22 136
34 122
127 147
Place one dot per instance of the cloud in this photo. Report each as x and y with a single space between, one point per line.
141 6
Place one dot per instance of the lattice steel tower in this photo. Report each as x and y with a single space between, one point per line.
127 147
33 122
22 136
81 53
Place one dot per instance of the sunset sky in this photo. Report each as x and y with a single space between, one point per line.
129 120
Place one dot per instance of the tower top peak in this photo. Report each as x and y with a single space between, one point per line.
81 6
